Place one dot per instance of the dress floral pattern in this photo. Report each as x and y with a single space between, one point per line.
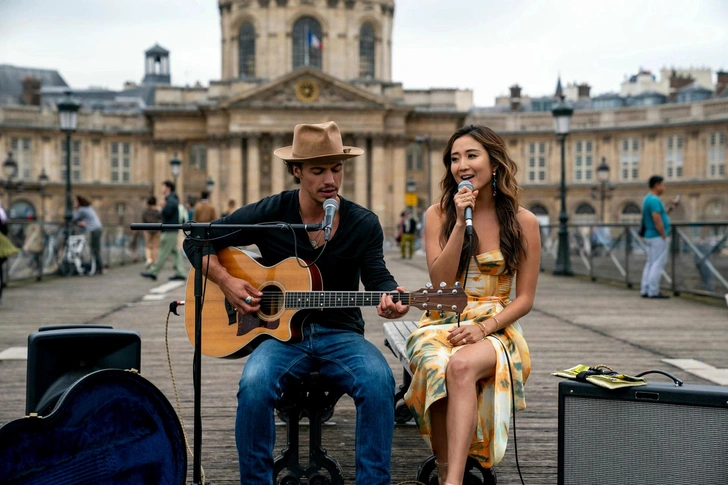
488 290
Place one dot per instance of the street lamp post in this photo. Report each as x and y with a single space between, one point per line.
604 187
176 166
562 123
68 113
43 180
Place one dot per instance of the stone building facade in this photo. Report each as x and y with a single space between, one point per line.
305 61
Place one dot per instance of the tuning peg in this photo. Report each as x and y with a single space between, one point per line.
439 307
427 313
428 285
442 314
454 308
424 305
457 284
443 284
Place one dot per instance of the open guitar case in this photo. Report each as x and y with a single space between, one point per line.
108 426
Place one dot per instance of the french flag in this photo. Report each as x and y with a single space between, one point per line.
314 41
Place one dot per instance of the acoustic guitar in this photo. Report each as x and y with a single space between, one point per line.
290 292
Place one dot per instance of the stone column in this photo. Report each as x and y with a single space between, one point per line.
381 178
278 170
435 171
360 173
253 172
398 164
213 170
235 169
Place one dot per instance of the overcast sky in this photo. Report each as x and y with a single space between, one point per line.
483 45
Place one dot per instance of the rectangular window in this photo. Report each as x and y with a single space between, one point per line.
198 157
121 162
75 160
584 161
629 159
23 156
716 155
674 157
536 171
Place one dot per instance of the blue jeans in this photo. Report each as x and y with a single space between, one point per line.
356 366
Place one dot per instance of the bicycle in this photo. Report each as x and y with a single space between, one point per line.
77 257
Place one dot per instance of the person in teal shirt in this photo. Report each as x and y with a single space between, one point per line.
657 229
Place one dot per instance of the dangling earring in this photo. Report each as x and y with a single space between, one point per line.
495 192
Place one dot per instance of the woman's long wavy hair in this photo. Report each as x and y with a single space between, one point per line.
506 199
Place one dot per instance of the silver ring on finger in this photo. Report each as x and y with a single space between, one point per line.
248 300
388 312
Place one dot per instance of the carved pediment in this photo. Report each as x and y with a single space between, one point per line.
308 89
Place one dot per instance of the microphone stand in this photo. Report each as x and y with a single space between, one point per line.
198 235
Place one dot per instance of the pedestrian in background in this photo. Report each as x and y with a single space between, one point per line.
408 231
168 241
204 211
151 215
231 206
7 248
656 225
85 216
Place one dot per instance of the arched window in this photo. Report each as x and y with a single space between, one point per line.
307 43
631 214
366 52
539 210
246 51
585 214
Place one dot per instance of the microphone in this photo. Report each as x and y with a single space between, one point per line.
468 210
330 208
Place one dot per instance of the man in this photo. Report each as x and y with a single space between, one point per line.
408 232
333 340
168 241
151 215
657 230
204 211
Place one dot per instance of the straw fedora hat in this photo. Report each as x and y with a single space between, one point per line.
317 143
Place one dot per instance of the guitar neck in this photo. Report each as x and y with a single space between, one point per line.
339 299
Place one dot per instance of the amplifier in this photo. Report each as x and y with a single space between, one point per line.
657 434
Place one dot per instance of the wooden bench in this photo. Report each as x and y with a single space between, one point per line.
395 337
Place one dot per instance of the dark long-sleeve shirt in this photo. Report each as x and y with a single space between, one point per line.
354 253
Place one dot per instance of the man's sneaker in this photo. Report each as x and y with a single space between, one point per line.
177 277
151 276
659 295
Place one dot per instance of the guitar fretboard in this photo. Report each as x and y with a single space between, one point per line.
339 299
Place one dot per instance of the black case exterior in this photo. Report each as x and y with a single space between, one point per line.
653 434
58 356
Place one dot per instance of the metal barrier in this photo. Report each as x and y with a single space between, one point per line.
41 246
697 264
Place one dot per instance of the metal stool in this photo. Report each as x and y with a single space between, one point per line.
314 398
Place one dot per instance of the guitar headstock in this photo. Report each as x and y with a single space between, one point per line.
441 299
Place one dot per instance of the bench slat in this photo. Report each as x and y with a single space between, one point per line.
395 335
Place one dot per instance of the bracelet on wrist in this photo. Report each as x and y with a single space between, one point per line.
497 324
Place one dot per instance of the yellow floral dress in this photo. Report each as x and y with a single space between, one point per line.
488 290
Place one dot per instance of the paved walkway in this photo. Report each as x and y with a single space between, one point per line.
573 321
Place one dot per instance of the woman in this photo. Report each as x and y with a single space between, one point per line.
85 216
463 374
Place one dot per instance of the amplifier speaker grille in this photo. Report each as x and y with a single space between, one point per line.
608 441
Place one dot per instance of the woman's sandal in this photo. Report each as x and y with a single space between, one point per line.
441 472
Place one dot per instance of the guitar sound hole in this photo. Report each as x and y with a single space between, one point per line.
272 301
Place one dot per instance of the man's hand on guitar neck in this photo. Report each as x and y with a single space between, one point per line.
388 308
